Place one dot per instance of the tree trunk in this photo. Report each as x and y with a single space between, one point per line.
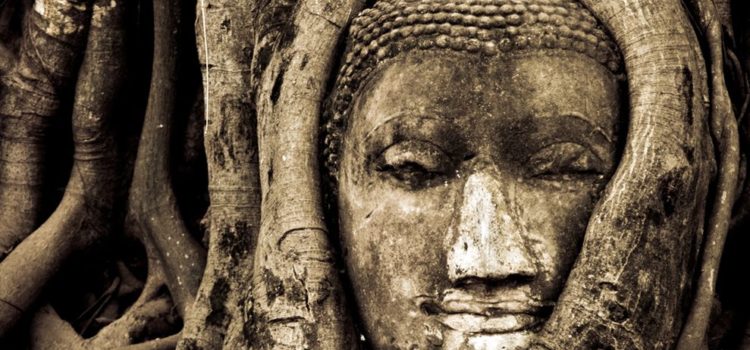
298 297
221 313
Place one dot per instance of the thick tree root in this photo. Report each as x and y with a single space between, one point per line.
53 43
634 273
152 200
49 331
297 292
87 210
726 138
132 330
219 317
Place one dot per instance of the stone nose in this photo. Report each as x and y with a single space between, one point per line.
486 242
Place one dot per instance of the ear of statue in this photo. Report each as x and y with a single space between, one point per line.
638 259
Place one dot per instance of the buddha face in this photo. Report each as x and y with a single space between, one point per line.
465 188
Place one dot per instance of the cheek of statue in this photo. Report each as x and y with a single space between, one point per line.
464 193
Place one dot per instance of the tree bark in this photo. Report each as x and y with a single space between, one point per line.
33 93
86 212
298 297
634 274
152 201
221 315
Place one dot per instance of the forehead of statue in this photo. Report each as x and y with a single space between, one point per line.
480 93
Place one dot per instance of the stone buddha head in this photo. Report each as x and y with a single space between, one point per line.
468 142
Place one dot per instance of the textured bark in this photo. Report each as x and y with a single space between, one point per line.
634 274
49 331
86 212
11 14
52 47
152 201
298 299
220 314
726 138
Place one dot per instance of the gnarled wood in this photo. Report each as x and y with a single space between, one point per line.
32 97
634 273
298 297
220 315
86 212
152 201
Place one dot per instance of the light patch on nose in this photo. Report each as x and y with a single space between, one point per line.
487 242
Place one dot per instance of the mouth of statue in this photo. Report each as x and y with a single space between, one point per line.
470 313
479 324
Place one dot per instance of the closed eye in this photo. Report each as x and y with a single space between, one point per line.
413 163
566 161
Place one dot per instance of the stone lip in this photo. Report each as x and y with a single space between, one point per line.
487 314
509 323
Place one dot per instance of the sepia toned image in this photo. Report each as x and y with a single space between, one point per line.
374 174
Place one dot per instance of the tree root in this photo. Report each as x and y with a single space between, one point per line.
130 331
87 210
152 200
298 298
53 43
218 317
49 331
726 136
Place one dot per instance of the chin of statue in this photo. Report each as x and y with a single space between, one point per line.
487 341
480 332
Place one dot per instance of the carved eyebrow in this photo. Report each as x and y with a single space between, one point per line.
551 129
578 128
580 123
409 125
594 126
436 118
398 118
